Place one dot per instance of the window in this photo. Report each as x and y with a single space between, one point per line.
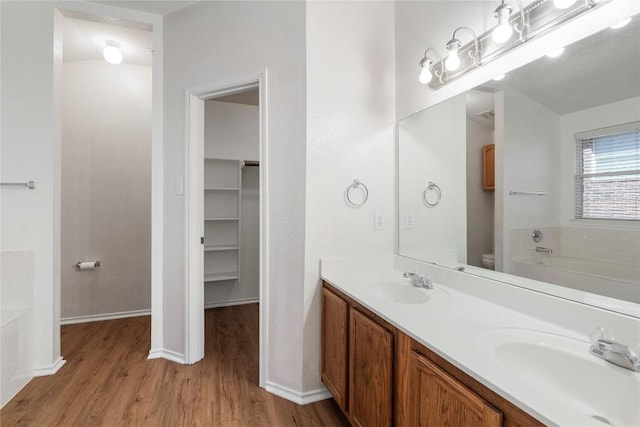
608 173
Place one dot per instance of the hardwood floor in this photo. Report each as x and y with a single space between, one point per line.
108 381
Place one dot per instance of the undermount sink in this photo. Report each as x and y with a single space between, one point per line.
403 293
562 368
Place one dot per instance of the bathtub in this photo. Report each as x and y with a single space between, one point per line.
17 324
612 279
16 358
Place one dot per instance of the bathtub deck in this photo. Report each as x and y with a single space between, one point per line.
108 381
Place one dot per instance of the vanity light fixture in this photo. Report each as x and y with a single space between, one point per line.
452 62
538 18
563 4
112 53
621 24
556 53
504 30
425 64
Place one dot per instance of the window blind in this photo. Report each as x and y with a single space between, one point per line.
608 173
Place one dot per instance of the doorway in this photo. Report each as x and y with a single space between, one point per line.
227 181
106 126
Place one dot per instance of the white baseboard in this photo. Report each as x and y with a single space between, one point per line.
232 302
163 353
49 370
296 396
101 317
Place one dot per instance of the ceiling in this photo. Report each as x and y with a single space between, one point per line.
84 35
600 69
161 7
84 40
480 107
250 97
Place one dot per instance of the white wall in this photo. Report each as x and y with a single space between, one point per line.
350 133
431 148
232 131
30 150
529 150
106 166
479 202
212 42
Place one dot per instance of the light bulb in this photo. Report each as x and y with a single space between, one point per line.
556 53
563 4
453 61
112 53
425 75
621 24
502 33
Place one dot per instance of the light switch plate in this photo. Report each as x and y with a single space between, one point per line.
378 221
409 220
179 187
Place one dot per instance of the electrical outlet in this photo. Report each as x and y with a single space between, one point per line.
378 221
179 186
409 220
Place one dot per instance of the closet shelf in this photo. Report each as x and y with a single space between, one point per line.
222 219
219 277
213 248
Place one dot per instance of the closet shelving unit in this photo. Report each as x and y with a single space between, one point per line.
222 198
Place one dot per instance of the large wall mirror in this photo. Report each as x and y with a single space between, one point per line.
535 177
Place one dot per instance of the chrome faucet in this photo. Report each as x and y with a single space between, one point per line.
418 280
605 347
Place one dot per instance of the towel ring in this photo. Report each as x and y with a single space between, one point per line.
431 187
356 185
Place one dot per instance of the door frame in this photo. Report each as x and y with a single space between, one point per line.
194 310
89 10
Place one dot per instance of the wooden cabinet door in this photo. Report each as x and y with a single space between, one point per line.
437 399
370 372
334 345
488 167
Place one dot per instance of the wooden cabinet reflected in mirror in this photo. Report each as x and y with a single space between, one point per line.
488 167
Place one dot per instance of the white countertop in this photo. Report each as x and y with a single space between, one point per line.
467 317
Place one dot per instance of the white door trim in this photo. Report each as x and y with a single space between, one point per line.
194 322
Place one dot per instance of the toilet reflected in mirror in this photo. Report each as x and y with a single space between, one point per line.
489 261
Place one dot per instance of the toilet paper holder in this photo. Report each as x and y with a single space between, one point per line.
96 264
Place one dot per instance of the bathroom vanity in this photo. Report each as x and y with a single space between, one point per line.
465 352
363 355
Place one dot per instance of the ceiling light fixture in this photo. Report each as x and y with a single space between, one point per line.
453 46
425 64
112 53
504 30
563 4
556 53
621 24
